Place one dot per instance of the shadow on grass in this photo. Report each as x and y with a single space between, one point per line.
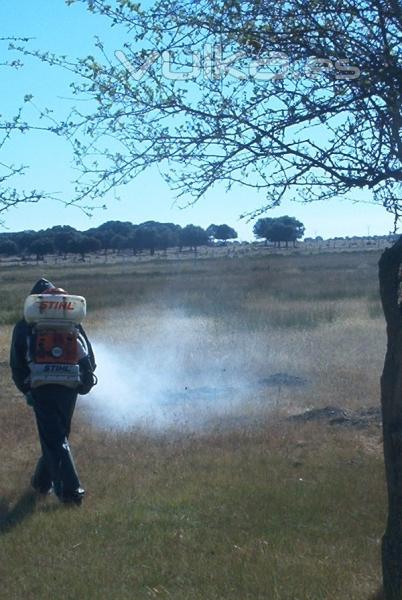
11 517
379 595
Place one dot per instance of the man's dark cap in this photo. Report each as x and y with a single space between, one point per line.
41 286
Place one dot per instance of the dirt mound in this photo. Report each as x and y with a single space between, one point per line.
334 415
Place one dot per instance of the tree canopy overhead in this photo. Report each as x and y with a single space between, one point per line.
298 99
10 194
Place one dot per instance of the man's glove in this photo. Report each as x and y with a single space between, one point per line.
29 398
88 379
25 387
85 387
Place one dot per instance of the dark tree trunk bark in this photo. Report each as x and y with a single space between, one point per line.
391 403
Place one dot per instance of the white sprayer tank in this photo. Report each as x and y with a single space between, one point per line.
60 308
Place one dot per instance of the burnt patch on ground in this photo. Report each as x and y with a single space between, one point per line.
283 380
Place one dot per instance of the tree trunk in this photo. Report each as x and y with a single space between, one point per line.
391 403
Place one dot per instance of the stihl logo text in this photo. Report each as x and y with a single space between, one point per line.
49 305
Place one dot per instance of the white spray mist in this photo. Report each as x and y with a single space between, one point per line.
168 372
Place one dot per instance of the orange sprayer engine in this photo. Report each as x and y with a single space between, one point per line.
55 345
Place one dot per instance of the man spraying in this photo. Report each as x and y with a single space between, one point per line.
52 361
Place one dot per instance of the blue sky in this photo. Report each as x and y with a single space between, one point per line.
71 30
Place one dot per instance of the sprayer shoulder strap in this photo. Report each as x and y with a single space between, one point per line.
89 348
82 343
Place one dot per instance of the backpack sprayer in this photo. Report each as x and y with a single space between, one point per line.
55 345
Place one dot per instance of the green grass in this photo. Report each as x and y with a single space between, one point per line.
249 507
244 515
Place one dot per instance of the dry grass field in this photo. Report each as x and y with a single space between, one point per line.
200 486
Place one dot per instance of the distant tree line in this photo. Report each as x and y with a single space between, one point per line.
151 236
113 236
